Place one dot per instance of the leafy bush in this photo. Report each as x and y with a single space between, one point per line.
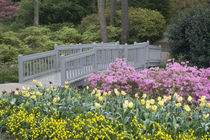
180 78
68 35
54 11
93 34
59 26
144 24
9 72
39 112
189 36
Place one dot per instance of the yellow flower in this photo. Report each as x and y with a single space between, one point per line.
159 98
169 97
130 105
152 101
180 99
35 81
116 92
100 98
148 102
202 104
206 116
23 88
136 95
54 100
142 101
148 106
123 93
176 95
33 97
93 92
203 99
97 105
208 105
58 99
154 107
187 108
98 95
48 104
126 102
125 106
51 87
144 96
87 87
178 104
109 93
27 94
189 99
161 103
27 103
47 89
38 93
66 83
66 86
105 93
40 84
16 92
12 103
99 92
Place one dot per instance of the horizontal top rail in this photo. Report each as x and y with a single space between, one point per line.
78 55
39 55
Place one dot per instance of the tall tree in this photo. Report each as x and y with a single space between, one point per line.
101 12
125 21
36 13
7 11
113 12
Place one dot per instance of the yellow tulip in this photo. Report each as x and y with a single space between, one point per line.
142 101
178 104
187 108
126 102
152 101
161 103
100 99
16 92
35 81
130 105
87 87
154 107
93 92
144 96
109 93
125 106
97 105
98 95
116 92
148 102
180 99
206 116
123 93
189 99
105 93
58 99
148 106
159 98
98 91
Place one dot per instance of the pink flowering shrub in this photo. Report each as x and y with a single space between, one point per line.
180 78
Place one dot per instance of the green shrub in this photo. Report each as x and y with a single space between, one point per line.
37 38
92 34
54 11
68 35
189 36
8 72
144 24
59 26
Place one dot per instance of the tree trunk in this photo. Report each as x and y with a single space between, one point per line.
125 21
101 12
36 13
113 12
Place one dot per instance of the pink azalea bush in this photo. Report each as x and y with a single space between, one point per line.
175 78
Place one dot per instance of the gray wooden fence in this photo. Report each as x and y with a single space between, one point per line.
77 61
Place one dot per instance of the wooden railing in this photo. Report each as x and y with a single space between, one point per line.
77 61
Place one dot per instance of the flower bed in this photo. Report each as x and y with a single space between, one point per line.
67 113
180 78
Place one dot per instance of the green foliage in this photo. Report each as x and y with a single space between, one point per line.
163 6
8 72
54 11
68 35
93 34
59 26
189 36
144 24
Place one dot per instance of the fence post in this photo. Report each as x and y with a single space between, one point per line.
56 57
95 59
126 52
146 49
20 68
63 69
